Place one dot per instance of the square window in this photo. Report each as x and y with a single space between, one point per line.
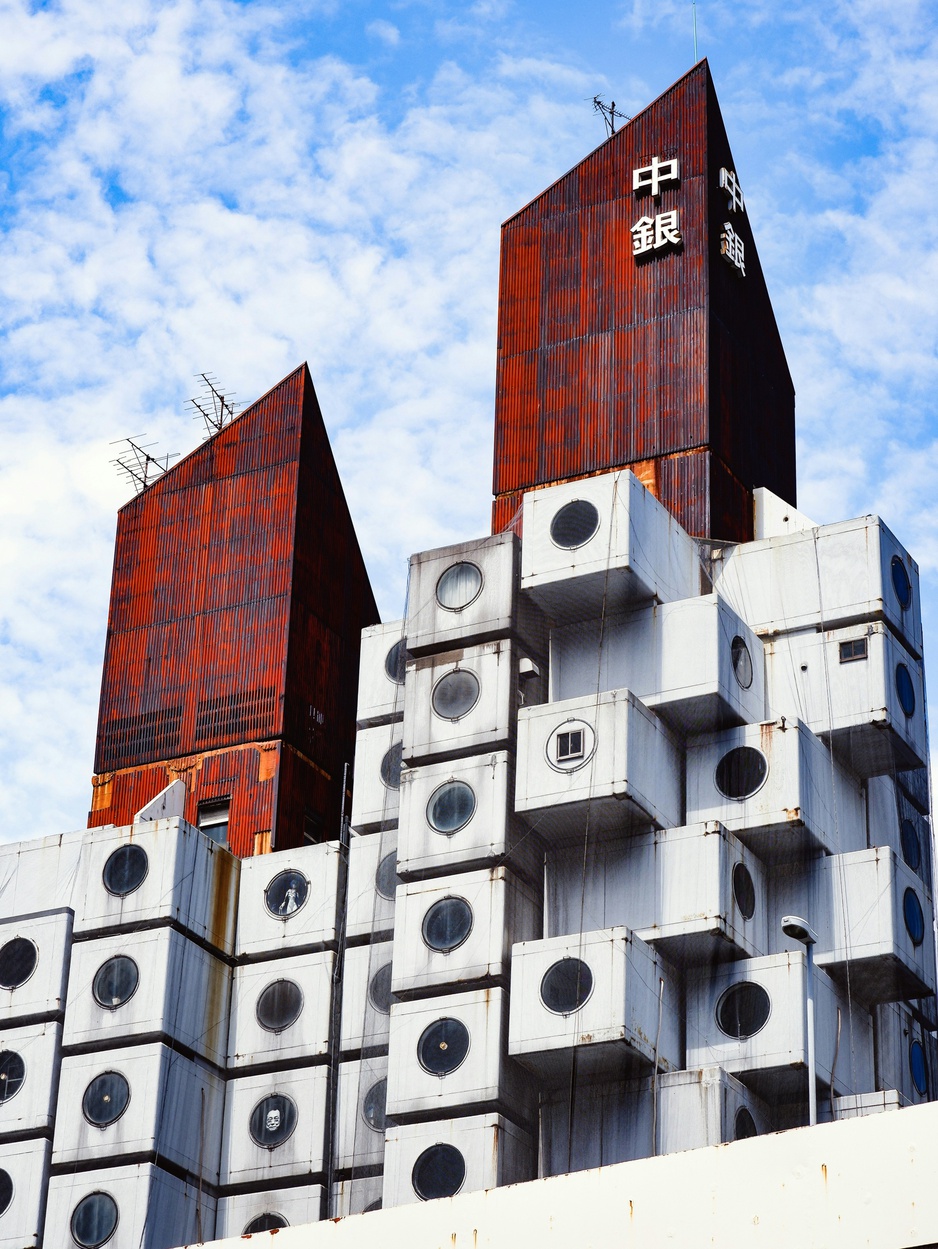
853 650
570 745
213 819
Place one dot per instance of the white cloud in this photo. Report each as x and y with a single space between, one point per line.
385 32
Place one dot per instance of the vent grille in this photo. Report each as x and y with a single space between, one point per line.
150 735
249 714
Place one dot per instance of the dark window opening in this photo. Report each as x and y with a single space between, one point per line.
570 745
213 819
855 649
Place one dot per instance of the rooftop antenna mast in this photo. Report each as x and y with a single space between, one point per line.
137 465
696 58
610 113
213 406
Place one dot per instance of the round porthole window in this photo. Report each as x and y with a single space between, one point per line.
272 1121
914 916
374 1104
391 766
741 772
6 1190
18 959
375 1205
12 1074
94 1220
286 894
742 662
566 986
901 583
267 1222
574 524
395 662
451 807
570 746
745 1125
447 924
744 891
115 982
743 1010
440 1171
106 1098
918 1068
125 870
443 1046
906 690
455 694
379 991
279 1005
911 845
459 586
386 876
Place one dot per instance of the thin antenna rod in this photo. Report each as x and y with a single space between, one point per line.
610 113
135 463
214 405
696 58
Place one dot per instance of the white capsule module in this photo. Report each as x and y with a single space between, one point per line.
749 1018
456 816
822 578
606 759
707 1106
29 1078
598 996
274 1126
457 933
288 901
359 1195
377 784
362 1109
249 1213
425 1161
372 884
695 893
145 1099
161 870
776 787
143 984
40 875
34 965
381 674
147 1208
603 542
695 662
24 1176
905 1054
280 1010
447 1055
366 997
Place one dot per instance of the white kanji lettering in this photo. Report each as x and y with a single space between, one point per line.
667 229
652 177
643 236
732 248
650 233
734 192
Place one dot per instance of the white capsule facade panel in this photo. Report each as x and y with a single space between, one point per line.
140 1100
366 997
29 1077
904 1054
359 1195
458 932
40 875
603 540
288 901
27 1165
144 984
607 756
249 1213
363 1093
34 965
707 1106
274 1126
606 1123
478 1152
622 985
859 1105
372 884
376 790
381 674
280 1010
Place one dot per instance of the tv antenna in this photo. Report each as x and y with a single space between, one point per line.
610 113
137 465
213 407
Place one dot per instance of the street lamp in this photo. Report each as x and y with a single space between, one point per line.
799 929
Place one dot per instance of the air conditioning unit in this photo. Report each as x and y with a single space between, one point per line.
776 787
280 1010
359 1195
824 577
29 1076
144 1100
857 688
905 1054
363 1095
606 995
288 901
456 816
603 542
249 1213
457 933
465 595
859 1105
749 1018
695 662
376 790
424 1161
24 1171
274 1126
447 1056
158 871
463 702
372 884
366 998
34 965
132 1207
381 674
140 984
605 758
43 870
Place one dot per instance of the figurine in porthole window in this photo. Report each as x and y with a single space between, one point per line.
291 902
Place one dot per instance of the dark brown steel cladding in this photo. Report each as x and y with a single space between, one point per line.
606 360
238 599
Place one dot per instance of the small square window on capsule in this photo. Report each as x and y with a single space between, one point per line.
570 745
853 650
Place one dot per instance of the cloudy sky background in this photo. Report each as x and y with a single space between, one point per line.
204 185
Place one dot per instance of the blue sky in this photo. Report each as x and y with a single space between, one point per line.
236 187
